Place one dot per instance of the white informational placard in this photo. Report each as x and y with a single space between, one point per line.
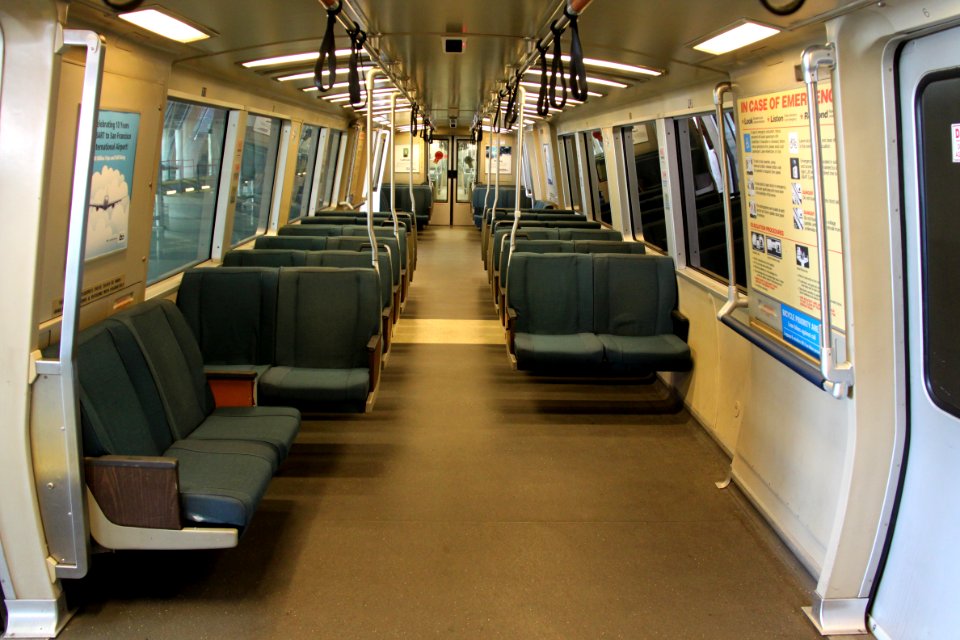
402 155
779 206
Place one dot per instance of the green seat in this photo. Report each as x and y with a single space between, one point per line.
220 482
635 301
301 243
589 234
360 260
608 246
265 258
176 365
327 340
550 297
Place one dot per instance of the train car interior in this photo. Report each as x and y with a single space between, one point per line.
503 319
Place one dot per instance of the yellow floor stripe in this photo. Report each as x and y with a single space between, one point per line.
446 331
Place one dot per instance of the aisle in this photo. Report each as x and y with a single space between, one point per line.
474 502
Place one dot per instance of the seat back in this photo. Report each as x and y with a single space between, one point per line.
329 218
529 246
552 294
265 258
301 243
314 230
326 317
590 234
388 246
232 312
382 234
357 260
121 412
501 239
175 362
608 246
634 294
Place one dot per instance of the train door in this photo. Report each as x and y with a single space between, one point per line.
467 164
924 557
438 165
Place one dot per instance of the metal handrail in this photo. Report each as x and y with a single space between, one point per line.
838 375
519 185
413 201
390 159
371 74
733 298
65 366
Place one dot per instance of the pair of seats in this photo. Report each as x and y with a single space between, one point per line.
507 198
405 220
421 205
360 259
161 455
310 335
501 239
600 313
554 246
501 215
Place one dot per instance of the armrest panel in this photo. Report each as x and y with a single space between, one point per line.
681 325
136 491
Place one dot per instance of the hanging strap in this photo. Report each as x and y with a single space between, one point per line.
578 72
328 53
543 107
357 38
557 70
496 118
513 105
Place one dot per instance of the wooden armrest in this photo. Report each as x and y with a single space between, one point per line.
681 325
375 360
136 491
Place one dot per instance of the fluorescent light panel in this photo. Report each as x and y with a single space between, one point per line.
164 25
293 58
590 80
536 85
615 66
736 37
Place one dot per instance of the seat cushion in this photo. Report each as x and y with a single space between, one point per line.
273 426
664 352
567 351
313 389
221 482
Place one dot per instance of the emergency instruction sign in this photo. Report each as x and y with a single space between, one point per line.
780 214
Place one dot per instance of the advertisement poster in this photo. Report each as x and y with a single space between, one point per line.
401 162
779 207
506 160
108 212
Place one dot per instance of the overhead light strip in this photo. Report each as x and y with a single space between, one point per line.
164 25
293 58
590 79
740 35
615 66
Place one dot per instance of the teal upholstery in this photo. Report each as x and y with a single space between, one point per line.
232 312
608 246
359 260
383 236
269 425
264 258
590 234
552 296
176 364
326 319
358 243
528 246
527 233
602 311
311 230
301 243
637 330
220 481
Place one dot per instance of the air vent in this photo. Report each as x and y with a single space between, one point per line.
454 45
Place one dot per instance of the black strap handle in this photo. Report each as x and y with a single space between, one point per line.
557 70
328 53
511 115
123 6
578 72
543 107
357 37
414 127
783 10
496 118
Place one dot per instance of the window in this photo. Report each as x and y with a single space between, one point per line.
190 158
527 171
330 169
257 172
569 148
702 193
599 189
467 167
439 159
641 152
306 163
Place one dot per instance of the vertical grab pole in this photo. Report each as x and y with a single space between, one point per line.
371 74
838 377
393 182
413 202
73 563
519 184
733 300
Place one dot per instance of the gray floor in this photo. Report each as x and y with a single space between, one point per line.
475 502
